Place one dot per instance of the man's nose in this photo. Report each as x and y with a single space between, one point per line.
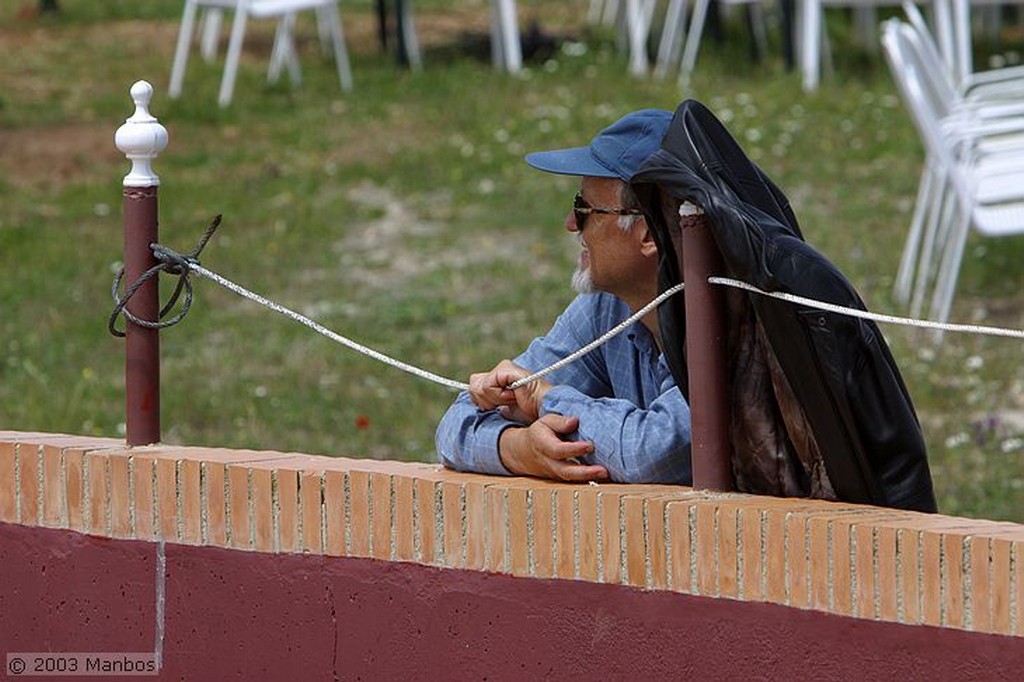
570 222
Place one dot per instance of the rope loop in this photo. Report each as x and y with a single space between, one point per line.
171 262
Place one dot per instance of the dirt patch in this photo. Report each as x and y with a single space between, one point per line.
377 254
54 156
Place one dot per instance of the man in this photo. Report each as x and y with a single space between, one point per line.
615 413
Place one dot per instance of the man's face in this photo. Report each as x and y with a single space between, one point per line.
610 257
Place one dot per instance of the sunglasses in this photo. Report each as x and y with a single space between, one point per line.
581 209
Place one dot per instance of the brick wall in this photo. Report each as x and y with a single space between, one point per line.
843 559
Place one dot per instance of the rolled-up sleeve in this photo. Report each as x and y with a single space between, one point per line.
467 438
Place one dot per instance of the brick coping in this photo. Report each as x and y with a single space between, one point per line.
850 560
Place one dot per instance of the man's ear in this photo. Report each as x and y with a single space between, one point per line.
648 247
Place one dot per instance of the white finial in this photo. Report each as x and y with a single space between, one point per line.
141 138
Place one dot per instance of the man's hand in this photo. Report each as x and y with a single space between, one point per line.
489 390
538 450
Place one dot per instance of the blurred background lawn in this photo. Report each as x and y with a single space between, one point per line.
402 215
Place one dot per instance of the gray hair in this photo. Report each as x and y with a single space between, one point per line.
627 199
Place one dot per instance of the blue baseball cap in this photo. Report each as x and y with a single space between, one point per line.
616 152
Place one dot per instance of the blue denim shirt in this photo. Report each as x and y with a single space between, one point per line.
623 393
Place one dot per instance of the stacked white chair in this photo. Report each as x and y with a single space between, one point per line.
970 93
975 167
283 54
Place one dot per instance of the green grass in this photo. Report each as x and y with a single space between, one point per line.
403 216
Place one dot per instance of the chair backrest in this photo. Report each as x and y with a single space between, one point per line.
925 95
935 54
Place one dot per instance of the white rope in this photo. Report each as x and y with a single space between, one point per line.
866 315
412 369
601 340
604 338
316 326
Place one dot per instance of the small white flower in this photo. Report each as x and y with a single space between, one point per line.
574 49
956 440
1011 445
974 362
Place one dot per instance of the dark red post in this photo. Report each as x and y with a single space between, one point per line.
705 353
141 138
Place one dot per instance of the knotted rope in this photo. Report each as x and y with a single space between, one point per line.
171 262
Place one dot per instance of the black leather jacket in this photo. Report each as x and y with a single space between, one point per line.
818 406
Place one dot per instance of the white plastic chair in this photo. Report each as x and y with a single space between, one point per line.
283 53
977 165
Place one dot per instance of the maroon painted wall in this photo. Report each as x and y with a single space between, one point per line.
254 616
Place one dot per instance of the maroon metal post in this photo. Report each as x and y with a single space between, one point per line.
141 138
705 353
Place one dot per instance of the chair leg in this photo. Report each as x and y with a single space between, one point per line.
670 43
693 36
865 22
210 33
611 12
283 52
323 31
636 36
505 32
925 199
755 15
810 43
188 18
963 59
942 302
936 238
407 28
340 50
227 83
